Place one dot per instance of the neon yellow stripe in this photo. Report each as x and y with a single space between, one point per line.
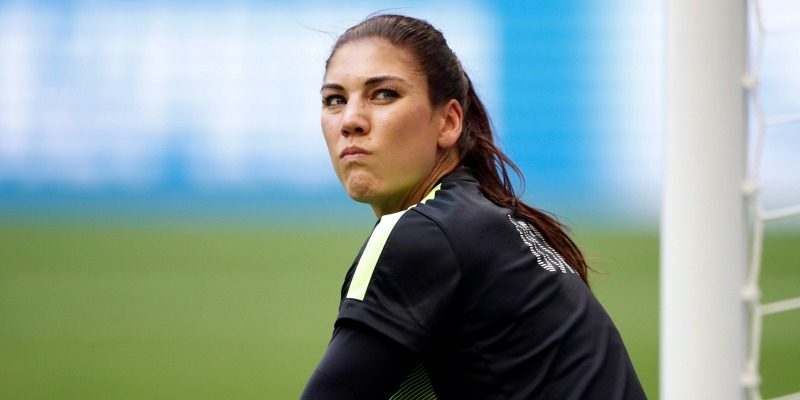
366 265
431 194
369 258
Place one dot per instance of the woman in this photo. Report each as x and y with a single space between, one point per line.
462 291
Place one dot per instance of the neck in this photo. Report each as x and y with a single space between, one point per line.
446 164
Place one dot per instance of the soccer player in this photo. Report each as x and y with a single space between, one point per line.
462 291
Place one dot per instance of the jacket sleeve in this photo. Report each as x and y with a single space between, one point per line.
359 363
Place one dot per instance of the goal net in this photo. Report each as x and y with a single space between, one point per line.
774 33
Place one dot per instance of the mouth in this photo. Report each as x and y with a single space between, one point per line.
352 152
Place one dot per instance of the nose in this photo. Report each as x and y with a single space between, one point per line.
355 120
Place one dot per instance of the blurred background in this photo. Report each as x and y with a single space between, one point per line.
170 226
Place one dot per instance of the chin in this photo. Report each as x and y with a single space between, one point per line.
360 189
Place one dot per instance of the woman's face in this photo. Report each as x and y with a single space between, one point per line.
382 132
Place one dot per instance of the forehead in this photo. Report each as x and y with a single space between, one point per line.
365 58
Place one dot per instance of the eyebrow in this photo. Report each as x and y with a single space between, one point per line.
375 80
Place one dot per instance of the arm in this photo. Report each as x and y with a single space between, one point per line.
360 363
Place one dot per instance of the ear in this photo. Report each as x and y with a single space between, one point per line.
452 118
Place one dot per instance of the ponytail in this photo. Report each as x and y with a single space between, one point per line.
490 167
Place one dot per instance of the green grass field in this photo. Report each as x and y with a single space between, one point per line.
118 311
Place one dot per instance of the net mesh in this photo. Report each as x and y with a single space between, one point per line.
767 23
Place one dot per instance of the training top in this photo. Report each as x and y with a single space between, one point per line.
486 306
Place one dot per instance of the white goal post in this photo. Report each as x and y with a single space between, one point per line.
704 222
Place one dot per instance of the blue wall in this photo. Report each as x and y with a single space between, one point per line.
107 126
546 82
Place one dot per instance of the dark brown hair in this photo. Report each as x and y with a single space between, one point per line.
447 80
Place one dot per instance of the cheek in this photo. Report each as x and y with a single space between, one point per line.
415 138
329 134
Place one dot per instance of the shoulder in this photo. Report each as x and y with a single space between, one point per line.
429 225
404 281
458 199
469 220
405 248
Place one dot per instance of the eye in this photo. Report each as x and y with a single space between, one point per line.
333 100
386 94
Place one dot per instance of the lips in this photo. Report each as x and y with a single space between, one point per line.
353 152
